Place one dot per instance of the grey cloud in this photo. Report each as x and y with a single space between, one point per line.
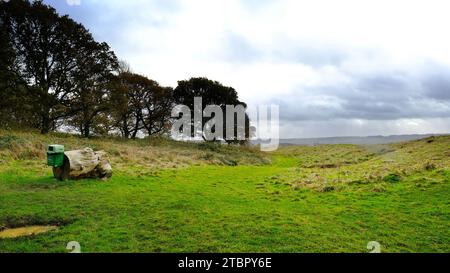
238 49
385 85
437 86
371 97
346 127
313 54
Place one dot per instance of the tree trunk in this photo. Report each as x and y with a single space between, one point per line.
135 130
84 164
46 125
87 130
126 134
125 131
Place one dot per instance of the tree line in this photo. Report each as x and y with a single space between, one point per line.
54 74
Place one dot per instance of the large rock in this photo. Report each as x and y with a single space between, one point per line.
84 163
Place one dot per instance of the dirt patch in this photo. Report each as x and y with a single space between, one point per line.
25 231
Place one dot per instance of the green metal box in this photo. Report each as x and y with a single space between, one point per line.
55 155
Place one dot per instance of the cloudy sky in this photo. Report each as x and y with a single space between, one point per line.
336 68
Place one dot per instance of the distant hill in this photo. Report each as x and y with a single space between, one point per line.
352 140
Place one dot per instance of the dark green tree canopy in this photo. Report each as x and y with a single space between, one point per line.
55 57
141 104
212 93
53 72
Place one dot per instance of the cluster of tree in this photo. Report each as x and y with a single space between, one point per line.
54 74
214 93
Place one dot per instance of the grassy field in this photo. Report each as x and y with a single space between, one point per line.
177 197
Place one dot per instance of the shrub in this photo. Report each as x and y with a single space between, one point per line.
7 141
231 162
392 178
207 156
429 166
210 146
327 189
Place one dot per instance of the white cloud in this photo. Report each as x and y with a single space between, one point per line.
289 50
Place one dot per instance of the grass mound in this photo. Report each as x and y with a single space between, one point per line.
153 153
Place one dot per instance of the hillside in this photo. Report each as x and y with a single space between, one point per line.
166 196
369 140
339 166
153 153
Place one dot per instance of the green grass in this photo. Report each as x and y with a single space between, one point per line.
299 199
